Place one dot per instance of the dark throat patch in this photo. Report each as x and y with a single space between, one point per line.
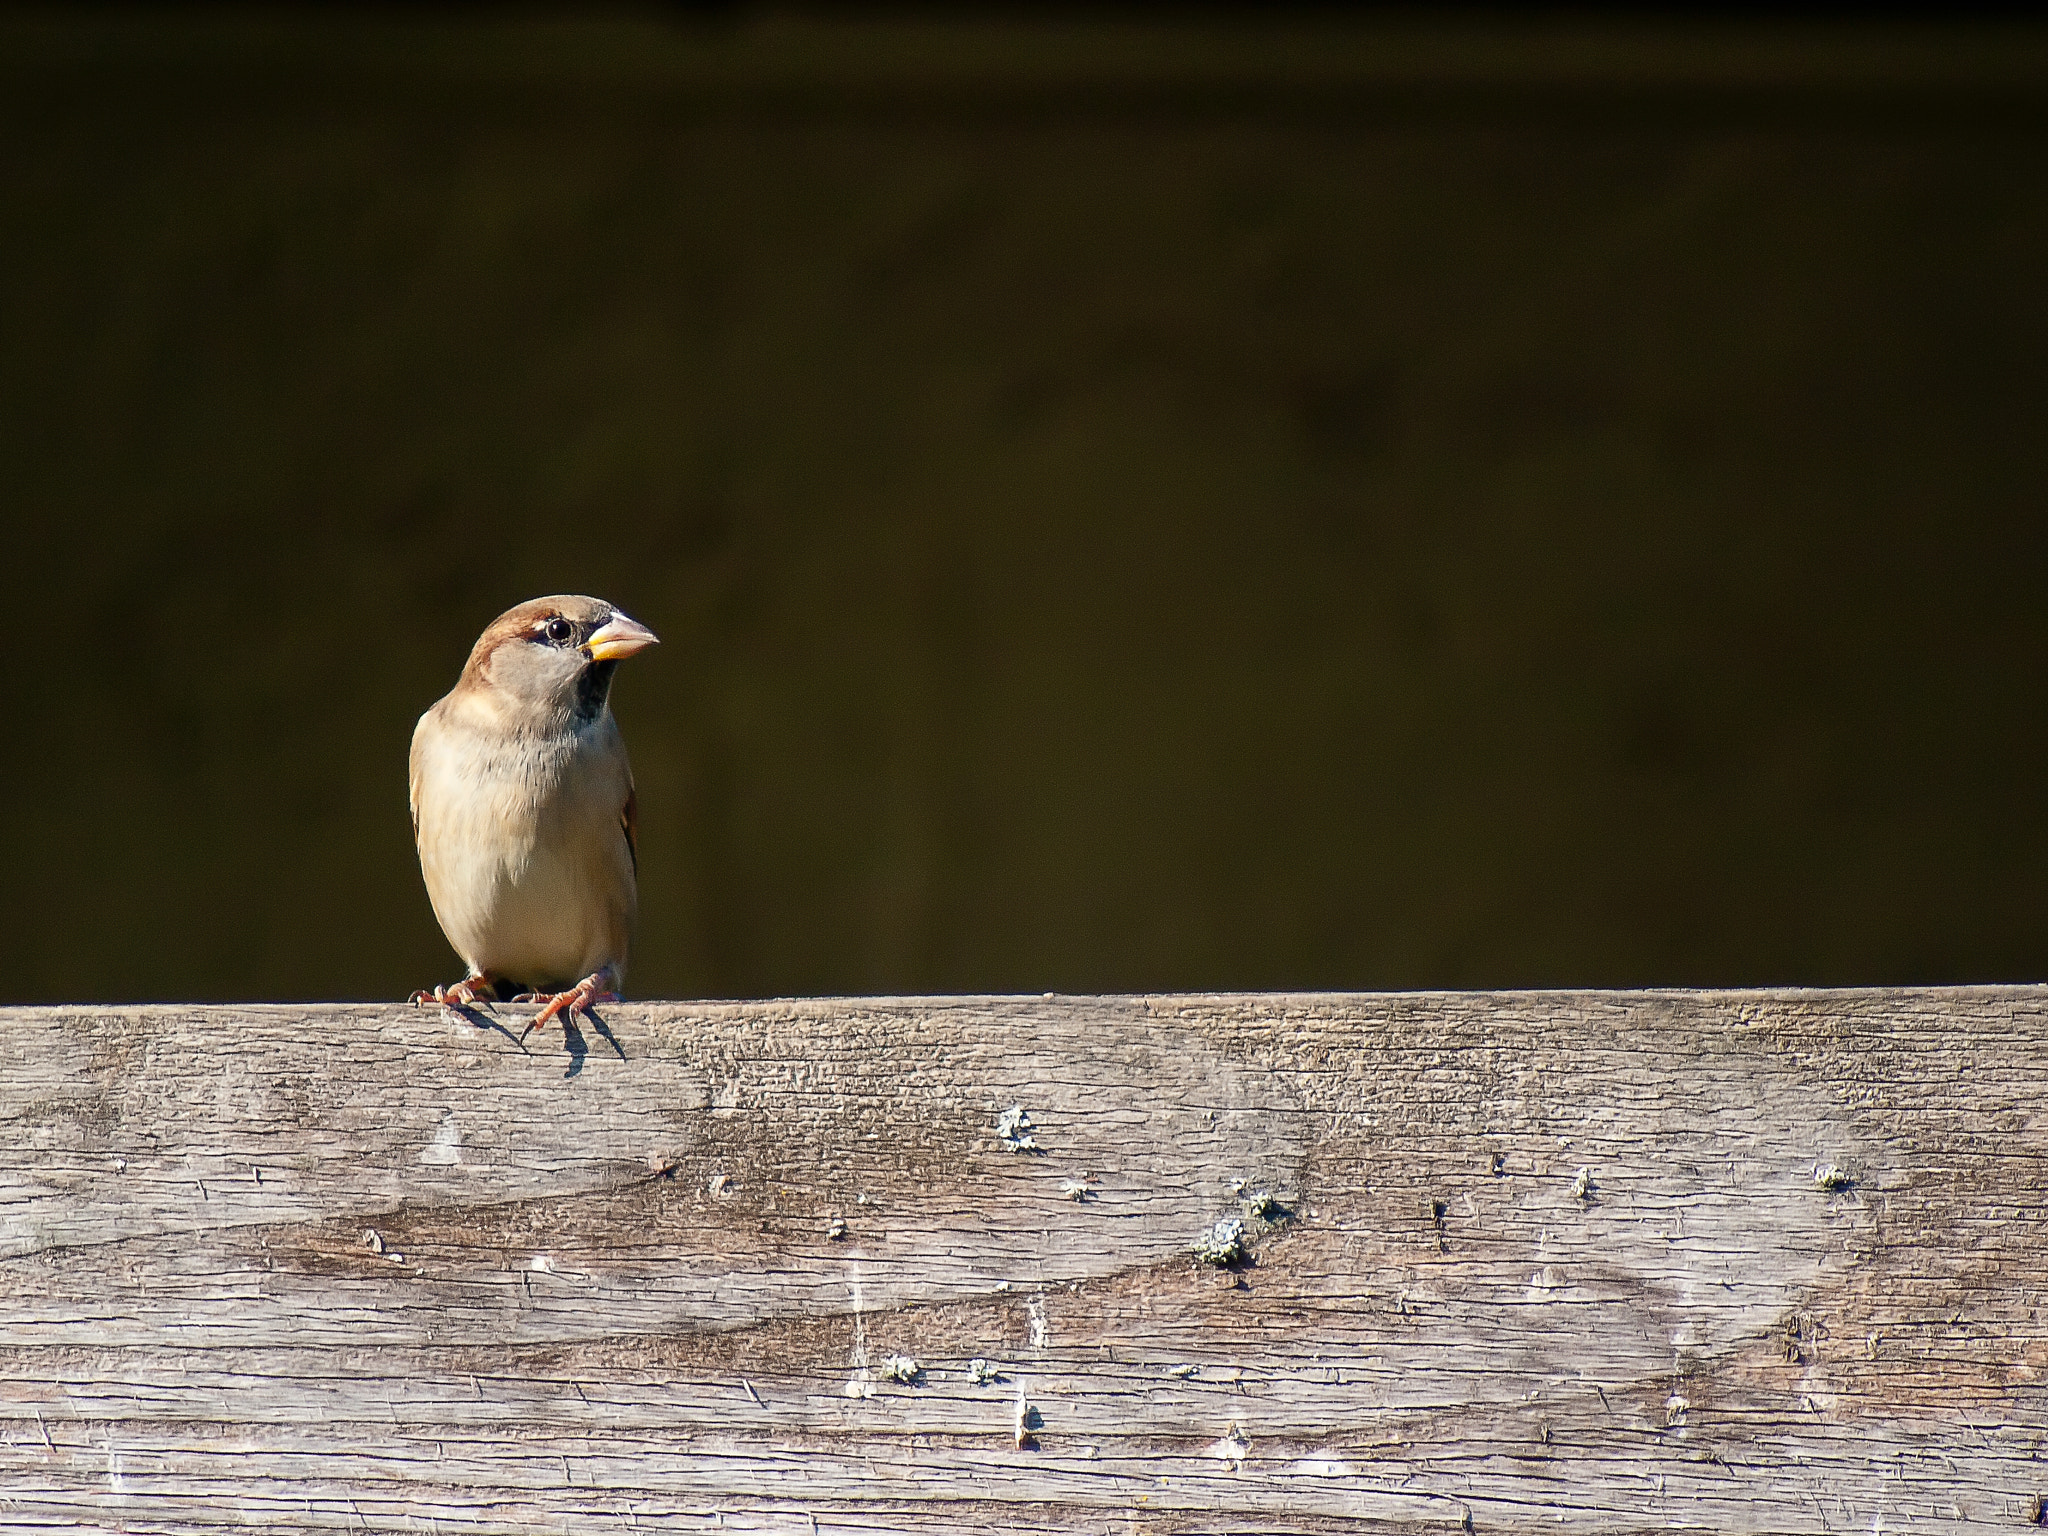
592 689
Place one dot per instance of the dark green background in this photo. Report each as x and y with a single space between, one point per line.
1125 507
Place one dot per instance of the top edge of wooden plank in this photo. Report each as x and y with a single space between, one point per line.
1508 998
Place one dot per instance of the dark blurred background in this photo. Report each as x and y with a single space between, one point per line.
1176 500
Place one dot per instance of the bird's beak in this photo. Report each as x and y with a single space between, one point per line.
620 638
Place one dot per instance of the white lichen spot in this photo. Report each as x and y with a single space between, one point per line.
1232 1447
445 1150
373 1240
901 1368
1078 1189
718 1186
861 1383
541 1264
1832 1177
981 1373
1319 1466
1583 1185
1014 1128
1035 1310
1675 1408
835 1229
1222 1243
1184 1372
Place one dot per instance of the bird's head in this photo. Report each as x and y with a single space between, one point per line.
549 662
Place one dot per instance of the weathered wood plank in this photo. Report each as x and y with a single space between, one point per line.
653 1281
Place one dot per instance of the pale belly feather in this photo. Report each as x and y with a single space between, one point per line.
537 887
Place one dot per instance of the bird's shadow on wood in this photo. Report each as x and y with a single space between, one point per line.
485 1021
572 1037
605 1029
578 1047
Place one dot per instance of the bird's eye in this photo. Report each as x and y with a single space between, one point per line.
559 631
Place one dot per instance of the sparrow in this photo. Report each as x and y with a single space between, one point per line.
524 814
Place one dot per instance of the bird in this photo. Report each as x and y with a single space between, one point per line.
524 814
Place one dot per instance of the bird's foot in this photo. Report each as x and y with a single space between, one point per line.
588 992
466 993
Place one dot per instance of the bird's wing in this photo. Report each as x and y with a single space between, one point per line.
428 730
629 822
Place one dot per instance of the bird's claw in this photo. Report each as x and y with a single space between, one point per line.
585 995
466 993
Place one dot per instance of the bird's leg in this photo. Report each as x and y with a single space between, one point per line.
479 987
595 988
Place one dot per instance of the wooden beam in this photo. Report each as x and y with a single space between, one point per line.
1607 1262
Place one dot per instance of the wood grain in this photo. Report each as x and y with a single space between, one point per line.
1608 1262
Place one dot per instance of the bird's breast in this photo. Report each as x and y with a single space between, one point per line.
521 847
